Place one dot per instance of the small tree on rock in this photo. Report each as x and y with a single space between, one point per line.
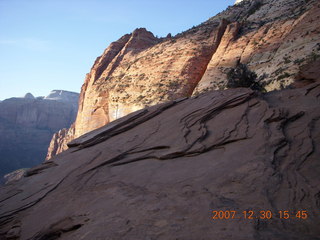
241 76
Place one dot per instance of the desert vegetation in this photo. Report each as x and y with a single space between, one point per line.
241 76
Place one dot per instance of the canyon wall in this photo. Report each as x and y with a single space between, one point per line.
279 40
27 125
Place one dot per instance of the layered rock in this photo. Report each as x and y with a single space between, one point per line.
276 39
27 125
158 173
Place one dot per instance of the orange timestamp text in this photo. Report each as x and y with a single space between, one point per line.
262 214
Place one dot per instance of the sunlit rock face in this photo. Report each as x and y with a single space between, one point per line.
277 39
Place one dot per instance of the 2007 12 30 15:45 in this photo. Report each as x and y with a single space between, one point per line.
261 214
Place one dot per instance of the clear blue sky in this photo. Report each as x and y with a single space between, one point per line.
52 44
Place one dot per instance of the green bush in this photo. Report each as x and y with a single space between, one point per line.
241 76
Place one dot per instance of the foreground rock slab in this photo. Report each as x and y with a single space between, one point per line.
160 172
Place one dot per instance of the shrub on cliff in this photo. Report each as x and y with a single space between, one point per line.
241 76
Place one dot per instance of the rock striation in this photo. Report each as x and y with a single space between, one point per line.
277 39
158 173
27 125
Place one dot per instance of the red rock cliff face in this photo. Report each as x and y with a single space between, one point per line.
276 39
139 70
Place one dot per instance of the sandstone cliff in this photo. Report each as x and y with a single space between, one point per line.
27 125
277 39
159 173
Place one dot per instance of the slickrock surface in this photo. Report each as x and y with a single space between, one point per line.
159 172
276 38
27 125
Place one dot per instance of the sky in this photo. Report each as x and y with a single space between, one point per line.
52 44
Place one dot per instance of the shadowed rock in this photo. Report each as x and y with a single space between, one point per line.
27 125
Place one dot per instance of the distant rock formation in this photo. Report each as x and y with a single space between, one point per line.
63 96
29 96
59 140
27 125
159 173
277 39
15 175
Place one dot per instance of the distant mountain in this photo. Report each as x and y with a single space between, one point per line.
63 96
27 125
29 96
